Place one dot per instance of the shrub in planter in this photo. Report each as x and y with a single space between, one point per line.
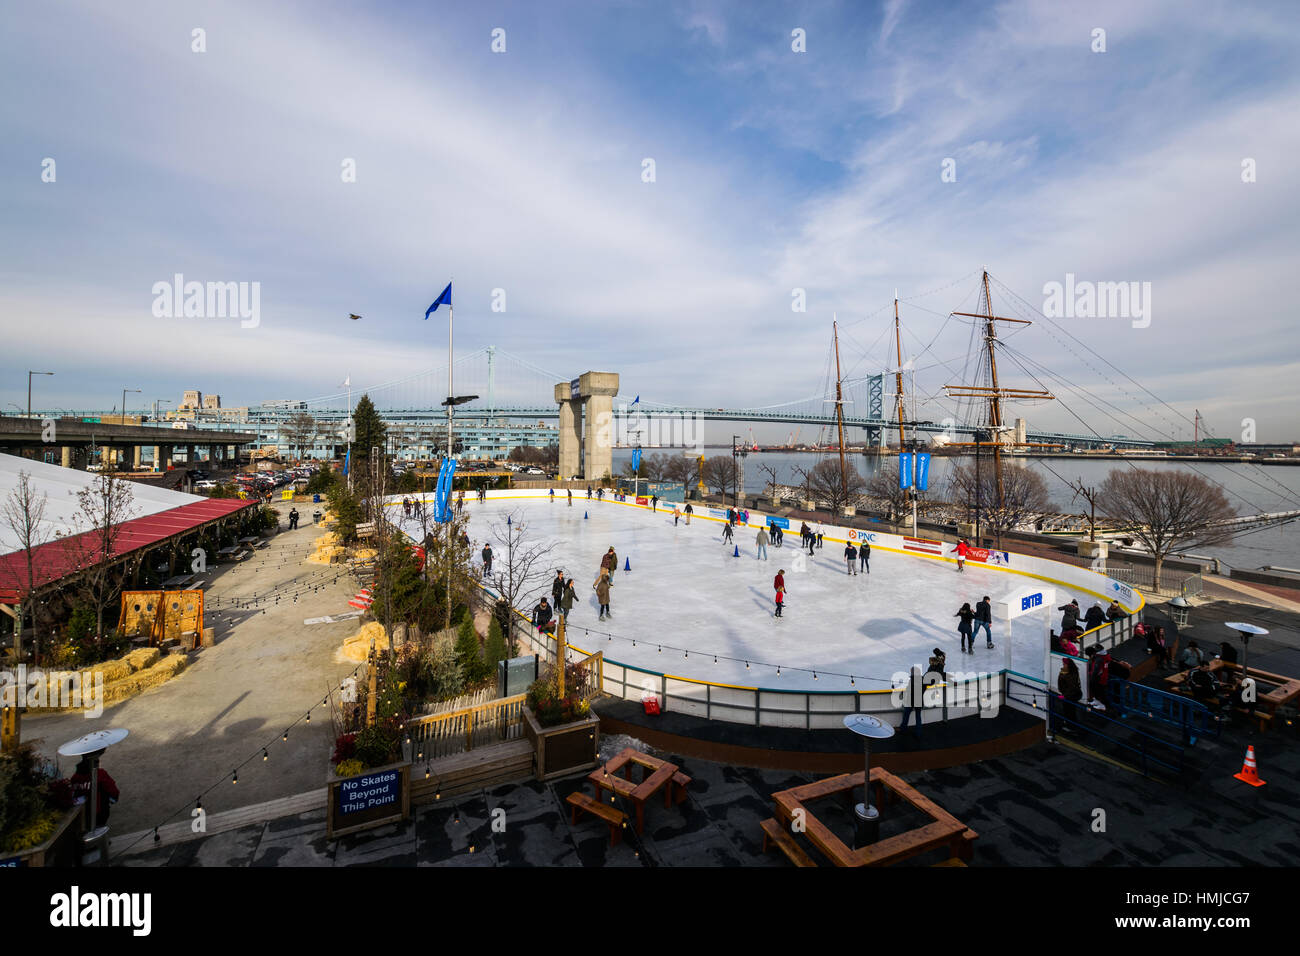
28 810
350 767
345 747
552 709
378 745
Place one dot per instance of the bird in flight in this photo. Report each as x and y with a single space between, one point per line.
353 317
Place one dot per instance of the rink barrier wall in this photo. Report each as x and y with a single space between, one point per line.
817 709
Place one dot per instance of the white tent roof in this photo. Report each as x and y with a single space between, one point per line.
60 486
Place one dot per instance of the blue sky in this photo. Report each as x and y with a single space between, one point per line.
775 170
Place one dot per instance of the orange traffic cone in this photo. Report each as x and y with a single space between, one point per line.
1248 772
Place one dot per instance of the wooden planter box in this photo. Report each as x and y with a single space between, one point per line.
564 748
348 800
61 849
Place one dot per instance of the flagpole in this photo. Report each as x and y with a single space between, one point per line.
348 425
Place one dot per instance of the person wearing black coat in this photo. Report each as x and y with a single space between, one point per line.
1095 617
557 588
964 628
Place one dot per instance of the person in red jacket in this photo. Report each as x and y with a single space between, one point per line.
107 795
778 584
961 550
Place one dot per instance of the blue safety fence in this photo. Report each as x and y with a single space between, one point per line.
1190 717
1146 748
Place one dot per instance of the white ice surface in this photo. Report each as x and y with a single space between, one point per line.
686 589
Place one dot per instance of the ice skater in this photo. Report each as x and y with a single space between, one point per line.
557 588
567 599
771 533
850 556
778 585
984 619
820 531
460 501
761 541
780 600
961 550
654 502
589 492
689 511
487 560
602 593
570 497
610 563
677 515
726 532
551 495
964 628
864 556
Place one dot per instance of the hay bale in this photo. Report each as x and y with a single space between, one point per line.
357 647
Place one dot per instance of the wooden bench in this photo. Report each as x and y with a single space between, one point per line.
616 818
773 832
679 785
1262 718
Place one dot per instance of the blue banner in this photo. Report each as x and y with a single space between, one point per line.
905 470
636 459
922 470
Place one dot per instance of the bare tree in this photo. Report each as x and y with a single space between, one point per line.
652 467
827 484
102 507
523 567
1024 495
883 484
301 429
1166 509
771 485
805 481
1091 496
24 513
683 468
719 473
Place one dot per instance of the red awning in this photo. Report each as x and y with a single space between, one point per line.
58 559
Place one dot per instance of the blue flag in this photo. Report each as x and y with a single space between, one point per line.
346 462
904 471
922 470
638 399
445 298
636 459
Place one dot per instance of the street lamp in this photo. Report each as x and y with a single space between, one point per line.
156 402
124 391
29 390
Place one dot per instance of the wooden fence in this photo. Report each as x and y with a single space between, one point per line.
461 730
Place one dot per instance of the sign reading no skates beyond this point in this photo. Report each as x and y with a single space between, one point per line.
372 799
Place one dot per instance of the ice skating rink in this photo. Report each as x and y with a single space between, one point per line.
686 589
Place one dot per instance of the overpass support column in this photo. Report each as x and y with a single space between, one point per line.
67 456
136 464
570 431
598 389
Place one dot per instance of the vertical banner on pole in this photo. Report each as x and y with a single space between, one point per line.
922 470
905 470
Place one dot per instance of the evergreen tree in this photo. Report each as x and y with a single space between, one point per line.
495 648
467 653
371 432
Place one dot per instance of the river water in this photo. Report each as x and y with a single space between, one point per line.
1250 489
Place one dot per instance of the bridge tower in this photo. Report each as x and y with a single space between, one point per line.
587 451
875 408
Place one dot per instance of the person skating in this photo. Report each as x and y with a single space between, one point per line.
567 599
557 588
1069 615
654 502
780 536
1095 617
406 507
570 497
964 628
460 501
913 698
689 511
984 619
551 494
938 664
677 515
771 534
610 563
851 557
293 518
821 530
761 541
731 517
780 600
487 560
961 550
804 532
810 540
864 556
602 593
726 532
588 492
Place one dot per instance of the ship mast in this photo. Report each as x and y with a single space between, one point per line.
898 378
839 409
993 393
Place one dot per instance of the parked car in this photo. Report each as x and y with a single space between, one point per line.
205 485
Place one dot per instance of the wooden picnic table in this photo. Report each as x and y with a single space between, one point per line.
1286 691
943 830
180 581
655 774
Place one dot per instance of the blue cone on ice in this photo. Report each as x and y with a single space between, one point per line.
584 516
736 553
627 564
